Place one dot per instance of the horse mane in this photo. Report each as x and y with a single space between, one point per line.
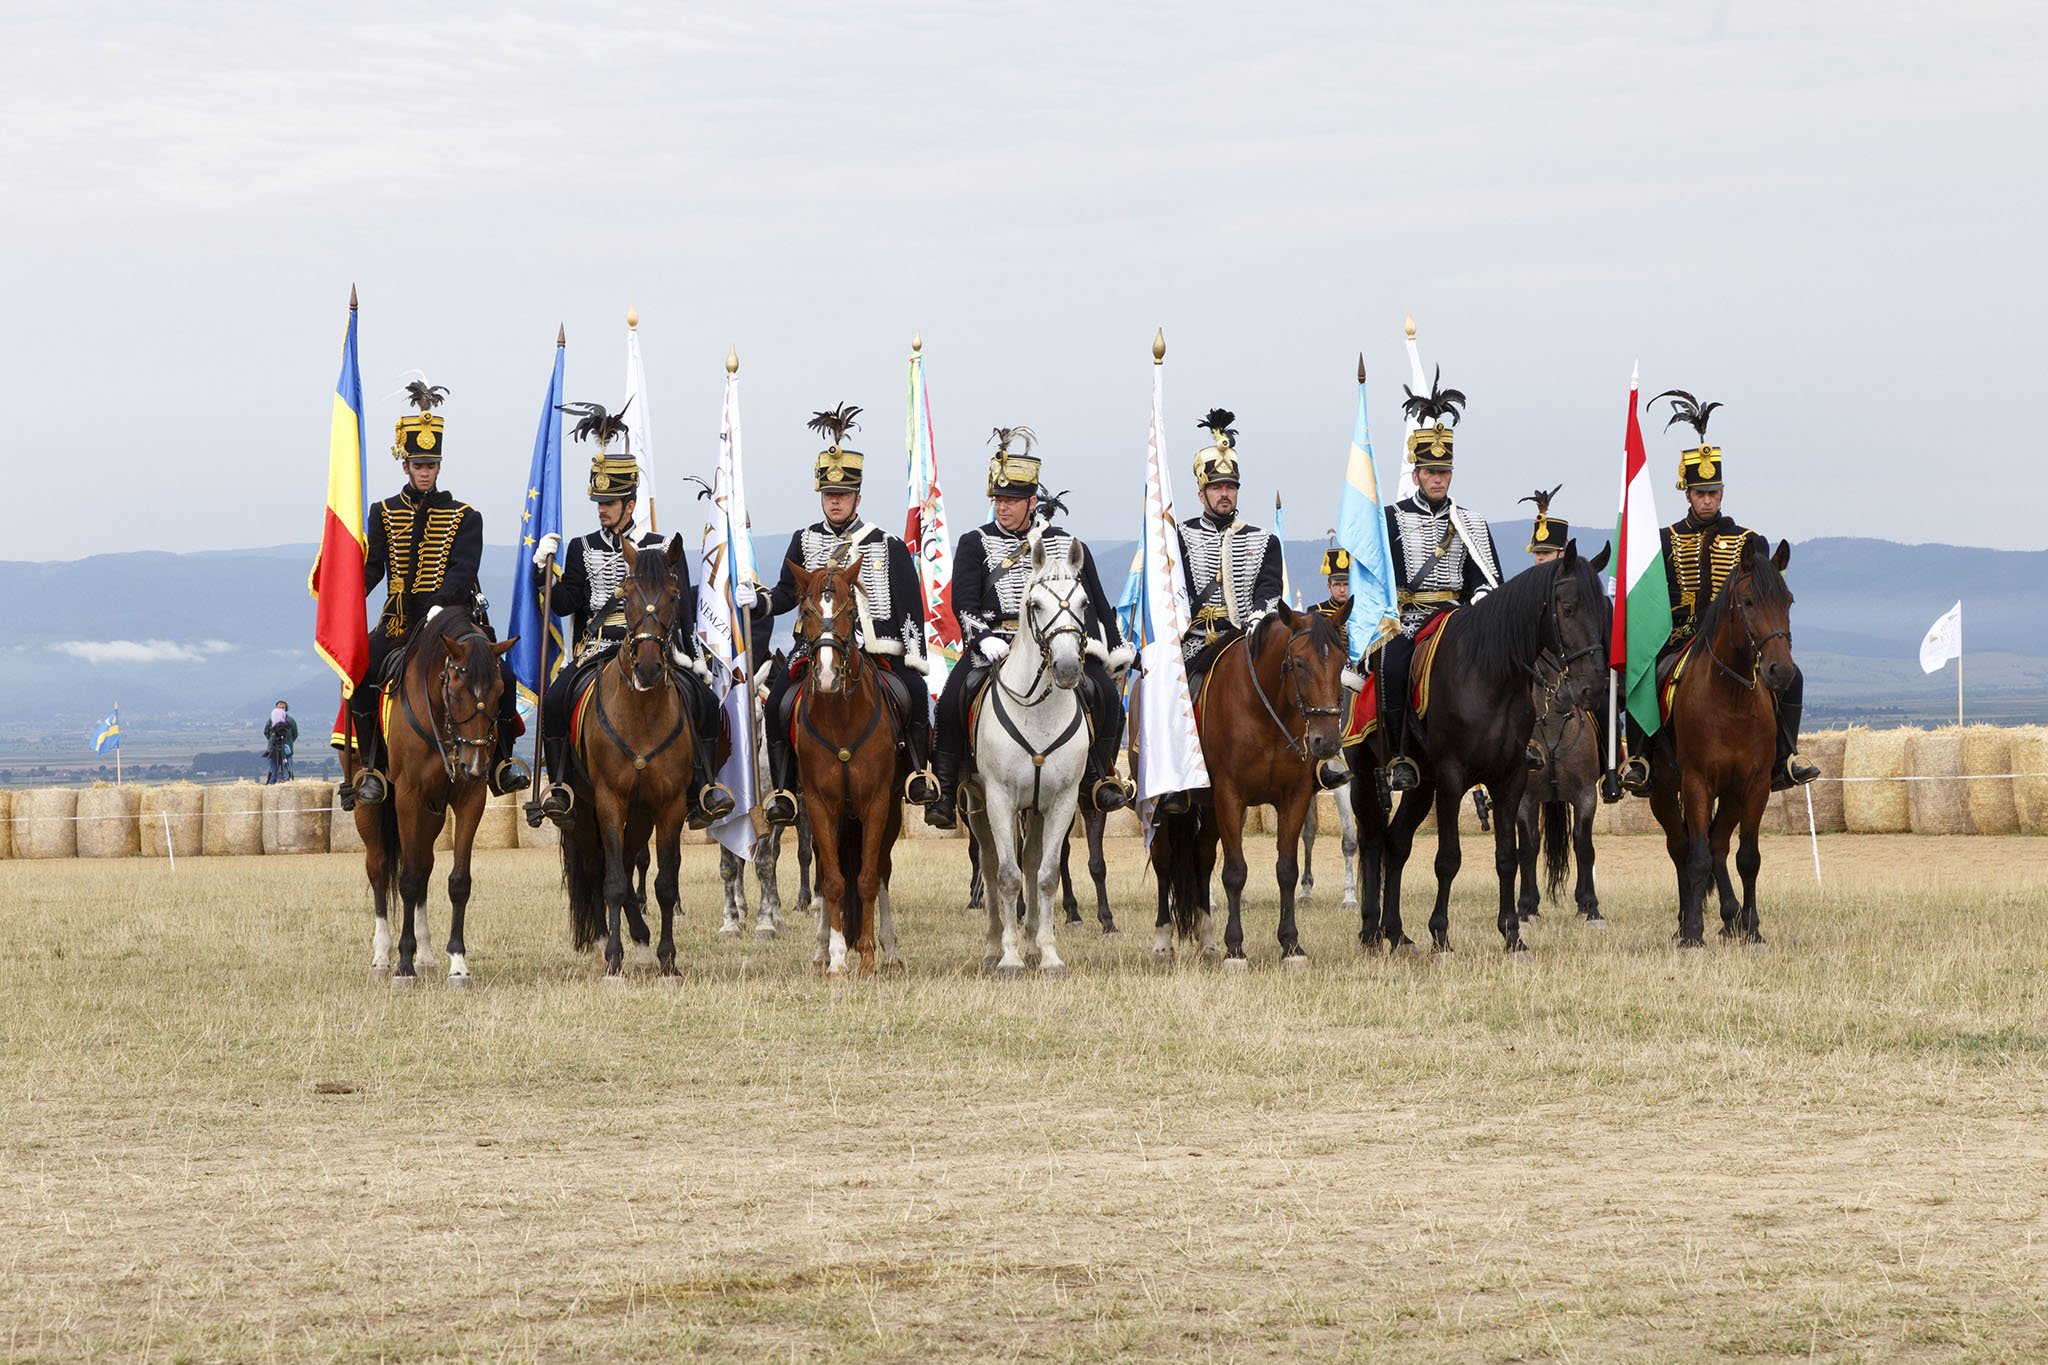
1321 633
651 571
1771 591
446 625
1503 631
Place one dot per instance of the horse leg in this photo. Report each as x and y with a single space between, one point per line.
1293 816
732 879
1230 833
981 844
1050 872
1587 893
1308 850
467 815
1528 823
1748 860
806 892
767 853
1507 804
1006 884
640 835
825 837
668 887
1400 843
415 867
1347 826
1098 870
1699 863
869 880
1069 902
1449 856
1369 841
1162 873
977 881
377 866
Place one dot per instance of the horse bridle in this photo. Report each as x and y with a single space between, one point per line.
1756 646
638 634
1030 695
444 737
1291 671
812 617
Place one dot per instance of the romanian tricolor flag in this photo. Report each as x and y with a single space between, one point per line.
341 629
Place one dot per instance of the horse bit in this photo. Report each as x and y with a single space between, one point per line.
1291 670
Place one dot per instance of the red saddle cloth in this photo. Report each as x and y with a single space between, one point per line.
1365 707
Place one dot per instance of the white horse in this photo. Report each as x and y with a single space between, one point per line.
1030 742
732 869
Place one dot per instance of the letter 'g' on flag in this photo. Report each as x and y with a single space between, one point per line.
1944 640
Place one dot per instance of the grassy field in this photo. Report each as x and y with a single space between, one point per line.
220 1141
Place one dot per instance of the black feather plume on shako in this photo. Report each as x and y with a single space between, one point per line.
593 422
424 396
834 423
1218 423
1542 500
1003 436
1687 409
1435 406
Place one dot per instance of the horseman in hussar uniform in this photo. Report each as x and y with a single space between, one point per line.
428 547
1336 569
1700 551
590 590
991 566
890 612
1443 558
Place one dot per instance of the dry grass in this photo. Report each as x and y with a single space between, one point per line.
221 1142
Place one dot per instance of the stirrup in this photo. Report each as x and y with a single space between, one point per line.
925 780
511 775
1635 775
1793 772
370 787
714 802
1173 803
780 801
1110 794
1401 774
1331 774
557 802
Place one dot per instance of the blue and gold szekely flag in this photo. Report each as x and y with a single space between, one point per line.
109 736
536 628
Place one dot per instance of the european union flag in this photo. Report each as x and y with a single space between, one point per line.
541 516
109 736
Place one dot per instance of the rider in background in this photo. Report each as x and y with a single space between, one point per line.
890 605
1700 551
280 733
991 566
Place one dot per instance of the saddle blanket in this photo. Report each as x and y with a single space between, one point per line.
894 689
1365 708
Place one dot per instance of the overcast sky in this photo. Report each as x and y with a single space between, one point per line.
1825 215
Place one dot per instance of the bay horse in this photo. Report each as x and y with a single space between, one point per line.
1715 773
1480 717
1271 711
633 760
848 776
1030 737
441 732
1558 804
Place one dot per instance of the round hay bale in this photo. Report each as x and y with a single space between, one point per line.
1876 806
1827 749
1630 815
1987 751
2029 788
6 823
295 817
44 822
1942 805
171 818
231 819
499 827
547 836
1123 824
345 831
107 824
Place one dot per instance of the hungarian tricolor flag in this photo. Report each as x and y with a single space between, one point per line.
1642 598
341 628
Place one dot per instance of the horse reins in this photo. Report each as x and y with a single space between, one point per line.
448 722
849 677
1031 695
637 636
1756 646
1289 670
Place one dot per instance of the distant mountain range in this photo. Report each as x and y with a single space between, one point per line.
207 641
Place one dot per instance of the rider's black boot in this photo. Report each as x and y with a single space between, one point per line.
369 787
557 800
1790 770
710 799
921 788
508 774
943 812
780 805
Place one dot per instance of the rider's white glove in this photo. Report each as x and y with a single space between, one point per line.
994 647
544 553
432 612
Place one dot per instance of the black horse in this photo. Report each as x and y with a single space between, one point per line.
1480 717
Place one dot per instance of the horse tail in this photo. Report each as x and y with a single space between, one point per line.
583 879
849 874
1182 834
1557 845
387 844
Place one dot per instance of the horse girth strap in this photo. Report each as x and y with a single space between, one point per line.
1038 756
843 752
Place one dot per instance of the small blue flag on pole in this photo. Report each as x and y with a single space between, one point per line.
1362 530
109 736
541 516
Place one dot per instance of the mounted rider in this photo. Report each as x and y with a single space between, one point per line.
1700 551
1443 558
429 547
991 566
891 613
590 590
1336 570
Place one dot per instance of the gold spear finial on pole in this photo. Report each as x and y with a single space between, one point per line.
561 335
1159 347
732 359
917 341
351 298
1361 367
1409 326
632 317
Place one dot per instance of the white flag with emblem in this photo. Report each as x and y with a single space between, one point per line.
728 580
1169 746
1944 640
639 422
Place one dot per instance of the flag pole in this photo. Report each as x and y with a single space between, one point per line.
743 648
540 679
1959 684
117 714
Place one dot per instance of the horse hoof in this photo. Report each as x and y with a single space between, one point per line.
1297 963
1009 972
895 965
615 980
764 931
1112 931
404 983
673 981
459 983
1162 957
1350 903
1593 921
989 961
835 971
728 931
1212 955
1236 966
1754 946
1056 972
380 973
1518 952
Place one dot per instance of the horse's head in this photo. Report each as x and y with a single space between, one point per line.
1312 670
826 608
470 686
1055 607
1762 607
653 598
1576 631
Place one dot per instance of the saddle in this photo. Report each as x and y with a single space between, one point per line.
893 685
1203 667
1365 707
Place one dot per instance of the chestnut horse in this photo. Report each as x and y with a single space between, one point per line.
1271 711
1715 772
846 737
634 765
442 732
1480 717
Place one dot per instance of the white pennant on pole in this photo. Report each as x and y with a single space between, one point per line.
639 423
1169 745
